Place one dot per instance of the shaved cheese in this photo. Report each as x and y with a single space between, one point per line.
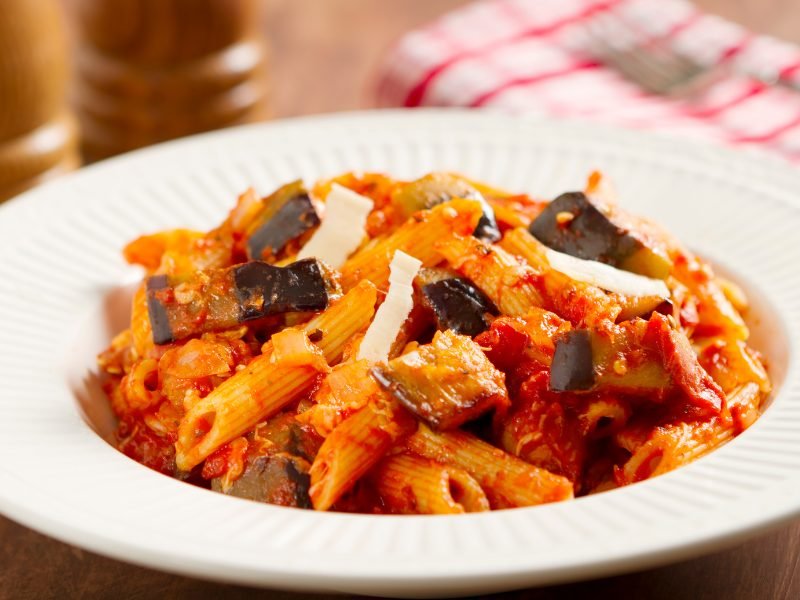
342 228
605 276
394 311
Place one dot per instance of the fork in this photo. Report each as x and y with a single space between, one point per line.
653 64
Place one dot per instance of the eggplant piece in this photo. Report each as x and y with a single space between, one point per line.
572 368
645 358
157 311
280 453
620 358
445 383
220 299
263 289
288 214
436 188
625 360
456 303
574 225
280 479
287 435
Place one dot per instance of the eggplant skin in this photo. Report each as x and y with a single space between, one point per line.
277 479
445 383
436 188
219 299
159 316
589 234
572 368
458 305
294 217
262 289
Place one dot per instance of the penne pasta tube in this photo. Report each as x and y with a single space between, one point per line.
603 416
141 330
412 485
507 481
137 387
503 278
353 448
418 237
265 386
744 404
672 446
149 250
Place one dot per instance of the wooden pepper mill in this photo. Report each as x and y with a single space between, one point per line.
152 70
38 135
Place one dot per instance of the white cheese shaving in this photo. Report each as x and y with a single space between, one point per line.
605 276
342 228
394 311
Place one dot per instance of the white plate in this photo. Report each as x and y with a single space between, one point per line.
63 290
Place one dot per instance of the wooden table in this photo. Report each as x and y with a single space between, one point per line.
324 54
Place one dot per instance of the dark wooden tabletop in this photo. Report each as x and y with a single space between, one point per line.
324 55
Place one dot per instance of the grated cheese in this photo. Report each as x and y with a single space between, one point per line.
342 228
394 311
605 276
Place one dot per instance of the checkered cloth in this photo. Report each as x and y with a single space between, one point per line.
531 55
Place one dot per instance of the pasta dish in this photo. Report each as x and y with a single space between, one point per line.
433 346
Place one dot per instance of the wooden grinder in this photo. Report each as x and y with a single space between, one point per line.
38 135
152 70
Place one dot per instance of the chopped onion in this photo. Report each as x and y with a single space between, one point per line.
342 228
394 311
605 276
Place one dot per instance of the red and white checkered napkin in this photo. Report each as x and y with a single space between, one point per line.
530 55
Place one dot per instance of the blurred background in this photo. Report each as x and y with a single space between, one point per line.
82 80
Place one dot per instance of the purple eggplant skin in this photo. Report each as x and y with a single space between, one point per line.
225 298
289 213
589 234
159 317
276 479
279 473
458 305
572 368
436 188
262 289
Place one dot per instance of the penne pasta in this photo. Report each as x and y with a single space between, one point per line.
665 448
353 448
603 416
141 330
744 404
412 485
149 250
525 351
344 391
716 315
672 446
138 387
503 278
418 237
264 387
508 481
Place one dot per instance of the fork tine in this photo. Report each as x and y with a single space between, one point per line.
609 48
649 63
